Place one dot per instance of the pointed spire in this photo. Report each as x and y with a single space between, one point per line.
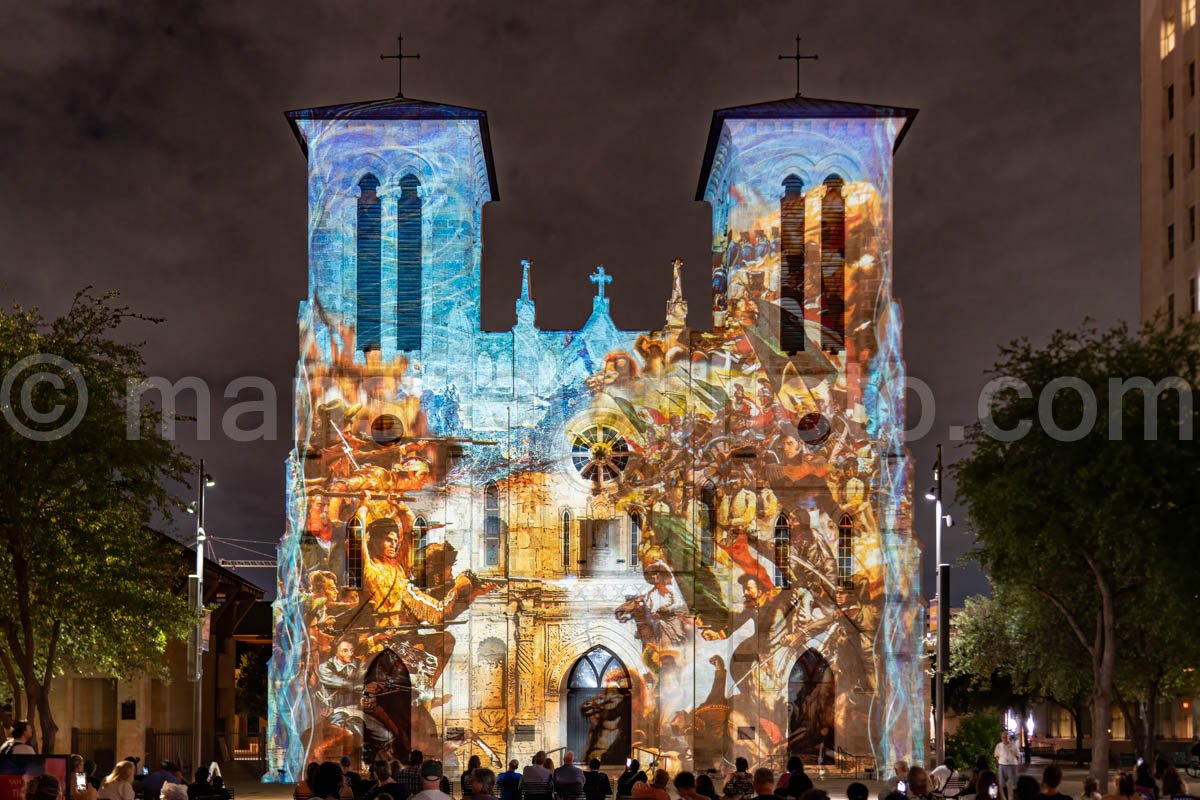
525 265
525 307
677 306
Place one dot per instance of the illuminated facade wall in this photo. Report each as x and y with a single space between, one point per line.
669 544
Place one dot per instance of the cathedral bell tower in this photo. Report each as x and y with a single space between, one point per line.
396 190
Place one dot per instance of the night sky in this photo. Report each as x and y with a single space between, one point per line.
143 148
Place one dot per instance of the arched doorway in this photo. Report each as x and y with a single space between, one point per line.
387 714
599 708
811 699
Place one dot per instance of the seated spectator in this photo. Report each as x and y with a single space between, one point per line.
509 782
119 783
568 779
464 780
795 781
899 773
1051 778
942 775
166 773
218 788
328 781
633 774
764 783
200 787
43 787
857 791
655 790
1027 788
1091 789
685 784
303 789
918 783
739 785
173 791
1172 783
596 785
483 784
705 787
1124 788
431 782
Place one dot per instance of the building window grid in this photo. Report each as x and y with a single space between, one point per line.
420 548
1167 39
783 542
566 540
354 553
635 539
1191 223
1189 14
1171 101
1170 172
491 525
1170 242
845 553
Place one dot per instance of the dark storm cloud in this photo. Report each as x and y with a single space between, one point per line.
142 148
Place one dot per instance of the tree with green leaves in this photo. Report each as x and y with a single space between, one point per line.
84 582
1014 641
1080 489
251 683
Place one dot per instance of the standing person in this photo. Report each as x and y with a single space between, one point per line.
569 779
509 782
596 785
119 783
18 740
483 784
739 785
473 763
632 775
1008 757
409 778
42 787
431 782
764 784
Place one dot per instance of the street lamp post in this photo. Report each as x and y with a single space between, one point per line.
942 657
196 586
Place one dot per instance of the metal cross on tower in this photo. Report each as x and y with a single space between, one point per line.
400 56
798 58
600 277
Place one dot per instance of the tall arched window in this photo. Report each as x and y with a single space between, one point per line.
782 552
708 508
491 525
845 553
833 265
566 540
791 265
420 548
354 553
635 538
408 265
369 230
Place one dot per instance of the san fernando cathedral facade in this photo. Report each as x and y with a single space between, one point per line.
671 545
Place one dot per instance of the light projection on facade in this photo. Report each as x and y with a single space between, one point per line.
671 544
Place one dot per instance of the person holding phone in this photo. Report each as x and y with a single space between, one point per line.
119 783
78 782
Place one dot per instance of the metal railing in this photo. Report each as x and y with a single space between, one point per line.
99 746
173 746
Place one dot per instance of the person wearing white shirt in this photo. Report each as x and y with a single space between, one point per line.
1008 756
